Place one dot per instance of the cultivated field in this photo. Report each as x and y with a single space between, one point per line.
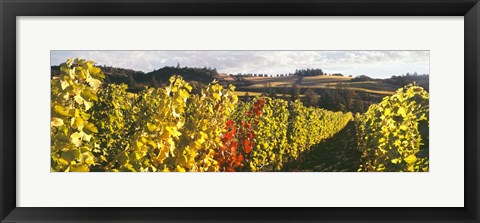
257 84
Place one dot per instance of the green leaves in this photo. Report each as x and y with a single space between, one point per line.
387 111
79 168
61 110
285 130
73 93
76 138
94 83
90 127
389 133
410 159
401 111
56 122
151 127
70 155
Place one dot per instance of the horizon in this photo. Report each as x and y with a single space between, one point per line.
375 64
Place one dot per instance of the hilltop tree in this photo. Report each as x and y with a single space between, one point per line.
154 82
269 90
311 98
308 72
342 100
131 82
295 93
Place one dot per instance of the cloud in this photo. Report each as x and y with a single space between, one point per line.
372 63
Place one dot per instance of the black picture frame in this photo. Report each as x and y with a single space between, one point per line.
10 9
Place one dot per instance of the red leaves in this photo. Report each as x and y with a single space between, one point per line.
227 154
247 145
258 106
230 123
237 162
257 109
239 138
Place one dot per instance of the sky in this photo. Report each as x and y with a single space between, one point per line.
377 64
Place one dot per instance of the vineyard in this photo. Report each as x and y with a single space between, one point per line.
103 128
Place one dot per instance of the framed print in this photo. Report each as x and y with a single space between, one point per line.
228 111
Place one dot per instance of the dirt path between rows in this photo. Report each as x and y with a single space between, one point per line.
337 154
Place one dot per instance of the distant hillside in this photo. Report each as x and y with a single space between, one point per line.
421 80
137 80
314 79
112 74
202 75
120 75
